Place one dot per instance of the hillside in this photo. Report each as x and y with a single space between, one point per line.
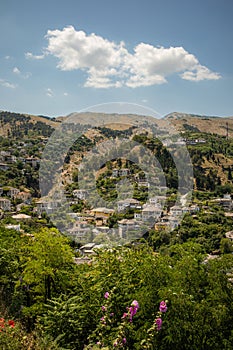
12 123
197 123
18 125
74 267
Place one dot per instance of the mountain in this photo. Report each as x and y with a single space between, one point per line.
198 123
18 125
181 121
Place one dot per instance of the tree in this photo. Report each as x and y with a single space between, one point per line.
47 268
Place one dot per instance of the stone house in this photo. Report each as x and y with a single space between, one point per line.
5 204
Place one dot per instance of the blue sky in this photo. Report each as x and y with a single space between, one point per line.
57 57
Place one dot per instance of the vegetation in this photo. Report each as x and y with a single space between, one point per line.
166 290
53 298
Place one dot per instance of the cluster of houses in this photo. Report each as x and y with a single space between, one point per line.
7 158
96 219
9 194
92 222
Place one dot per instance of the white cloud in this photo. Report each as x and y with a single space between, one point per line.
108 64
151 65
49 92
29 55
6 84
200 73
65 94
16 71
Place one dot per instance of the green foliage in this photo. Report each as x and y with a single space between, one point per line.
47 269
65 299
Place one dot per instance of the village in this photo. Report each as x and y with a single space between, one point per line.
95 227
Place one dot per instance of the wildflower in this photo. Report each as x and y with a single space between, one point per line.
111 314
2 322
115 343
158 322
124 341
103 320
103 308
163 306
135 305
133 309
11 323
124 315
106 295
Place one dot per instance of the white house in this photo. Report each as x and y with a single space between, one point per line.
80 194
46 205
5 204
12 192
126 225
176 211
151 211
130 203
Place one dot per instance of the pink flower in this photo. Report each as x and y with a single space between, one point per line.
103 308
115 343
133 309
162 306
103 320
124 341
159 322
135 305
132 312
124 315
106 295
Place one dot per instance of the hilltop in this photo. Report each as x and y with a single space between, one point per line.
17 125
181 121
199 123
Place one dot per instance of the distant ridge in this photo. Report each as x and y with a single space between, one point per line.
181 121
201 123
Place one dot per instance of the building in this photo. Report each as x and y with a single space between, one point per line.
13 227
176 211
120 172
126 225
79 230
4 166
24 196
5 204
229 235
12 192
21 217
151 212
33 162
45 205
89 249
226 202
128 203
101 215
80 194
